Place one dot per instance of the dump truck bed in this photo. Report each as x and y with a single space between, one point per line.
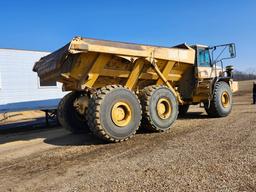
74 63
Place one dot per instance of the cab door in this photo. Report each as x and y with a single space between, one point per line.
204 69
204 73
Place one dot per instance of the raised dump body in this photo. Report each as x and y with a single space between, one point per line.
95 63
114 85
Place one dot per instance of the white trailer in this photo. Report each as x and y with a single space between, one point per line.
20 87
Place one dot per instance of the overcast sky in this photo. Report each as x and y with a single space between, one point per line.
48 25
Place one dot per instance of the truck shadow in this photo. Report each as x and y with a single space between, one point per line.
194 115
50 134
55 135
75 140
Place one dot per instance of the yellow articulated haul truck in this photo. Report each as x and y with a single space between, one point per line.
117 87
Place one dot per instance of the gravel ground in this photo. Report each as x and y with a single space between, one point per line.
197 154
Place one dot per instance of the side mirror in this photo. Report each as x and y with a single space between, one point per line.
232 50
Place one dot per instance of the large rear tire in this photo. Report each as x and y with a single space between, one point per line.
68 116
159 106
221 104
114 113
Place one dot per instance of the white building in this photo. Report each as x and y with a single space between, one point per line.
20 87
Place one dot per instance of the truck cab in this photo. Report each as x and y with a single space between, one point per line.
207 70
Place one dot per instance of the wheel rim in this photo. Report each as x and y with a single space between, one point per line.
121 114
164 108
225 100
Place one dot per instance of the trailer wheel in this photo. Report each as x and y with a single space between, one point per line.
114 113
159 106
183 109
221 104
68 116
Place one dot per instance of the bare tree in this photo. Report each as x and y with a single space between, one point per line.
240 75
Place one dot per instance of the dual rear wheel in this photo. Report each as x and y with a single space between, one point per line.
114 112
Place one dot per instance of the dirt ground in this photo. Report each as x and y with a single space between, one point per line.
22 116
197 154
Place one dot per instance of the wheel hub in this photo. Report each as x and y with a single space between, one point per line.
81 104
121 114
225 99
164 108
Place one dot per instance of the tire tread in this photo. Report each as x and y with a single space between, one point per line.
93 115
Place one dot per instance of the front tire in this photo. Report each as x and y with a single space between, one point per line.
114 113
221 104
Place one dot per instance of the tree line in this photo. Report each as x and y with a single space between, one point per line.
239 75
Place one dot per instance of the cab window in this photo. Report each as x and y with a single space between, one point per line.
204 58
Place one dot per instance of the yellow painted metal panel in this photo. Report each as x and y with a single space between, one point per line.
96 69
134 75
185 55
166 71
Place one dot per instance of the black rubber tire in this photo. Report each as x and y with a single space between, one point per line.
183 109
216 108
99 113
68 116
149 97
